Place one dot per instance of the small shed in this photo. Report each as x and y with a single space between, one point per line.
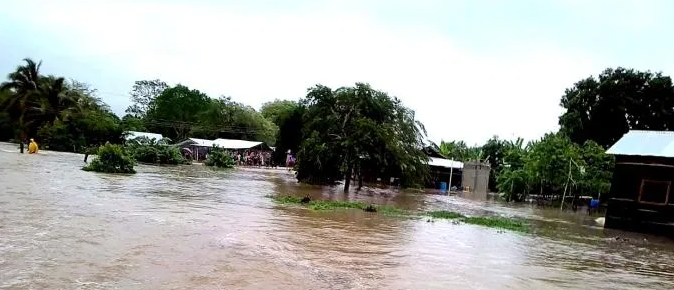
442 169
445 170
198 147
640 196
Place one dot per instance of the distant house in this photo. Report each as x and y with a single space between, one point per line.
241 144
640 197
130 135
200 147
443 170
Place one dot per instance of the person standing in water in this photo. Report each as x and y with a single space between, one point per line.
32 147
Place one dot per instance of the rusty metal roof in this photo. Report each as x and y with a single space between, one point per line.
645 143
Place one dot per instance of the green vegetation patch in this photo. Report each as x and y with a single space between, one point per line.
286 199
492 222
219 158
111 159
444 214
336 204
498 222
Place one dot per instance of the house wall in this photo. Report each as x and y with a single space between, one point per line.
641 197
476 176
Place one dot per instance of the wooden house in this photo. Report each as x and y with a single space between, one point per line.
641 196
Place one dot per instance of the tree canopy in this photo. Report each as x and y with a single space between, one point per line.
65 115
359 130
287 116
603 109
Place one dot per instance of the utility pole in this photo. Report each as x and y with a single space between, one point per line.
570 179
566 185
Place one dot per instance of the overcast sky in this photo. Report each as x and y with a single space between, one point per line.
470 69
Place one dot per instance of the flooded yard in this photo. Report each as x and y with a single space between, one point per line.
190 227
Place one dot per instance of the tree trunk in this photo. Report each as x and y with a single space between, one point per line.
360 177
347 179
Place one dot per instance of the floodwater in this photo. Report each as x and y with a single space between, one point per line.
189 227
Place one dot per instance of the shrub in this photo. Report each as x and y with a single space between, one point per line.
154 152
219 158
170 155
144 153
111 159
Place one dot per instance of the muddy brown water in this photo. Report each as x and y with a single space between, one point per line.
189 227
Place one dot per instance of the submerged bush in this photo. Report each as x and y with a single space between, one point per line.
154 152
111 159
144 153
157 154
219 158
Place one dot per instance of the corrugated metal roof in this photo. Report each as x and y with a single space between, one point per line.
235 144
222 143
446 163
135 134
200 142
645 143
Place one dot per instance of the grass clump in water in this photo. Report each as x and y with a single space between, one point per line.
498 222
492 222
286 199
318 204
391 210
333 204
445 214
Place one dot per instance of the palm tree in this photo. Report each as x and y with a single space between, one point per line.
54 98
23 95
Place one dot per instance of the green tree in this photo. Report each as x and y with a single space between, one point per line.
22 100
143 93
224 118
512 179
132 123
355 128
82 120
548 162
454 150
287 115
175 111
598 168
494 151
603 109
278 110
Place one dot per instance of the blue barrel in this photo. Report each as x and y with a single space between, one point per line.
443 186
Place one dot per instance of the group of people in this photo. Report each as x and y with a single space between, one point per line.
260 158
253 158
32 146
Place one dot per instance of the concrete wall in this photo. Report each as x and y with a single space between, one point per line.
476 177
